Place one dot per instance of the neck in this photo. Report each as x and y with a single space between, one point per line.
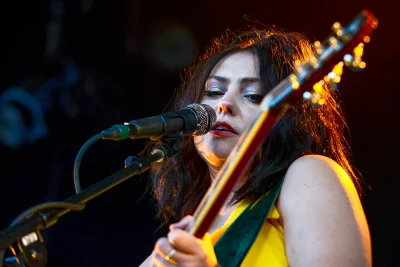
226 208
214 171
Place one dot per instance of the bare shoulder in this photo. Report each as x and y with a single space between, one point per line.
315 172
324 221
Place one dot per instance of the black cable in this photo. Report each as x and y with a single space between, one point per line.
78 160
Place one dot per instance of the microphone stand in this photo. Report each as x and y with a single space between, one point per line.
32 252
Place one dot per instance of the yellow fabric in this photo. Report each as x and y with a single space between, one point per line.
269 247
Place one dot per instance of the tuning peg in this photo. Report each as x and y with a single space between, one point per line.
337 28
318 47
348 59
336 74
307 95
294 81
317 87
332 78
333 42
358 51
317 100
314 62
298 66
354 62
314 99
338 69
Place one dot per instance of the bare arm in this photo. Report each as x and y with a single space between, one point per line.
323 218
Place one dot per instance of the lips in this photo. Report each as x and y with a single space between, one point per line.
222 126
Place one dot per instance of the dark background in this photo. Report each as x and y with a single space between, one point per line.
74 68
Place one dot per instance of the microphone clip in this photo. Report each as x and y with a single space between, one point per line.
169 146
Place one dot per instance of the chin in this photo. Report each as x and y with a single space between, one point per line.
221 155
219 151
212 149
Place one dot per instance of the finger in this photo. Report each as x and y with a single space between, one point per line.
158 261
161 250
182 224
164 248
178 258
189 246
184 241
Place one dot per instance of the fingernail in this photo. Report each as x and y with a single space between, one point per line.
172 235
172 226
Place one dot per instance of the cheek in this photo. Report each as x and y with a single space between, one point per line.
198 142
199 145
203 144
211 102
249 115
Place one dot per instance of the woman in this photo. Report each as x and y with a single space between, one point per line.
317 219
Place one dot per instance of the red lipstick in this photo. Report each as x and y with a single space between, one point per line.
223 129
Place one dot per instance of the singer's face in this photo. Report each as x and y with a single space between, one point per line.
233 89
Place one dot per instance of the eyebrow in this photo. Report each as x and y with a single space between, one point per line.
225 80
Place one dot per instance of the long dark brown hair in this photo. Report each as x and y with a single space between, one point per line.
180 182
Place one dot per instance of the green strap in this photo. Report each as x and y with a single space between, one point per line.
234 244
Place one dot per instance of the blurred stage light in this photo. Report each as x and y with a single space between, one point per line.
171 47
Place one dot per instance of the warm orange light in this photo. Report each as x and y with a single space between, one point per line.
337 79
333 41
362 65
317 87
336 25
338 69
297 63
294 81
316 98
358 51
314 61
367 39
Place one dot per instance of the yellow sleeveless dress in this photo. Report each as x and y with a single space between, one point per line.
268 249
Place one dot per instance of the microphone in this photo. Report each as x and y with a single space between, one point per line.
195 119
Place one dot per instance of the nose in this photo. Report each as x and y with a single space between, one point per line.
226 104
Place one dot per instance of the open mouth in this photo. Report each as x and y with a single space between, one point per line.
223 129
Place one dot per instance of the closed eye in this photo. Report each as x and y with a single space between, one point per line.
213 93
255 98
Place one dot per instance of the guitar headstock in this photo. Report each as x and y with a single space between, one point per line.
343 47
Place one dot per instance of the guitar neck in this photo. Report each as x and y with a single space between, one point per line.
235 166
288 92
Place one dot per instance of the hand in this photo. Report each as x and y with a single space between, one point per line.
189 250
